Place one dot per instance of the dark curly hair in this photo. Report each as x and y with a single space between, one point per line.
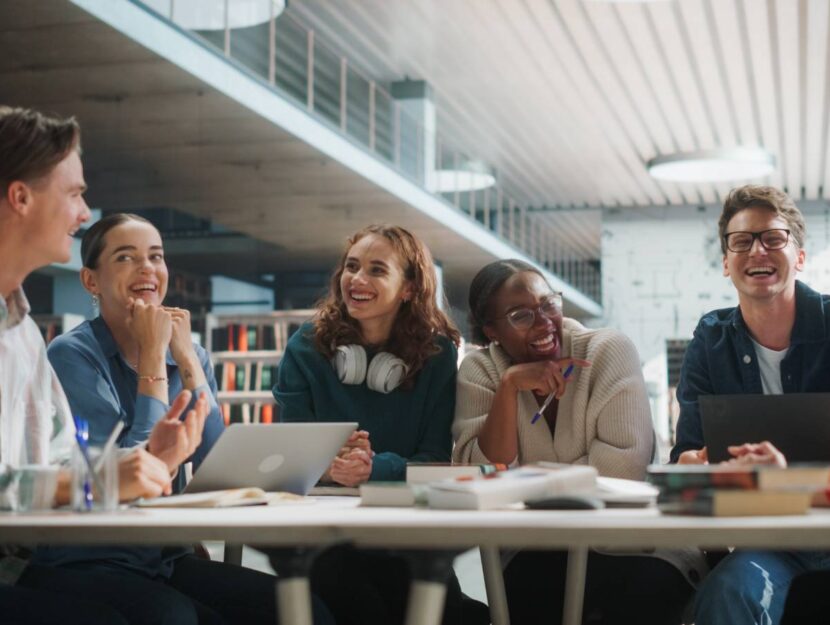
418 321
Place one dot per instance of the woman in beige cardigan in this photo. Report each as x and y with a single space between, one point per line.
600 416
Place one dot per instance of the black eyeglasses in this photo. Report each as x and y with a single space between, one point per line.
524 318
774 239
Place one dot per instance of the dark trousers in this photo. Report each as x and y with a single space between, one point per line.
618 589
199 592
371 587
808 600
27 606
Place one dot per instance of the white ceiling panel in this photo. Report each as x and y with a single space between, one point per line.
569 99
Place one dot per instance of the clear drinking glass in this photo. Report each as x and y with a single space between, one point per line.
96 489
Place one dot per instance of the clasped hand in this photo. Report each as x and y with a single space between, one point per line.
542 377
157 327
353 464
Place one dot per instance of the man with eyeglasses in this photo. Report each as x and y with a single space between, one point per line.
777 340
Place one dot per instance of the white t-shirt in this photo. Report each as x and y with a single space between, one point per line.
769 362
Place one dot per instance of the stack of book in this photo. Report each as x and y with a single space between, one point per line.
735 490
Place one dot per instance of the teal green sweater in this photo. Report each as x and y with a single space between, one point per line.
404 426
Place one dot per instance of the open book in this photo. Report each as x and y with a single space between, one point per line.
503 488
222 499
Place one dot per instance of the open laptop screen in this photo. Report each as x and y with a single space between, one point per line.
798 424
274 457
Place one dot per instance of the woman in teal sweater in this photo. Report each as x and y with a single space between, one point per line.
379 352
404 425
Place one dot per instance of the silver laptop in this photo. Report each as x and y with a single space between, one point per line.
274 457
798 424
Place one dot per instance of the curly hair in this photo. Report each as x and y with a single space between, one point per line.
418 321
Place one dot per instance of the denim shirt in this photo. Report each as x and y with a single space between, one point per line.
103 388
721 360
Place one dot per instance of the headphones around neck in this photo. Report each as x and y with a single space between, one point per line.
384 375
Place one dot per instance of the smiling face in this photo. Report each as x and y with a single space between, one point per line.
131 265
373 285
57 210
762 274
543 340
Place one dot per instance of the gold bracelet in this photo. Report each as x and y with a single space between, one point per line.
153 378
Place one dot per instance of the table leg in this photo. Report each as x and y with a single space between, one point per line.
428 592
233 554
575 585
494 583
294 600
293 566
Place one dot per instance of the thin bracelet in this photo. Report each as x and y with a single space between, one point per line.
153 378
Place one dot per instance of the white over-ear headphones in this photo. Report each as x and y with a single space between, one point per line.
384 375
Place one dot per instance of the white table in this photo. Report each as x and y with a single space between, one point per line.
333 520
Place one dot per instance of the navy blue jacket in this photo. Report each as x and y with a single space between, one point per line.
721 360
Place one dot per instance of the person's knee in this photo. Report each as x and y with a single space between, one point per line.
739 586
166 608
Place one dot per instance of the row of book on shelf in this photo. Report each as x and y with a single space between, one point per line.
242 337
245 376
249 412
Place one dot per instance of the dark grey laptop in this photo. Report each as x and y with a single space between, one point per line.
274 457
796 423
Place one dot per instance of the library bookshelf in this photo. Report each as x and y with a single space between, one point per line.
246 352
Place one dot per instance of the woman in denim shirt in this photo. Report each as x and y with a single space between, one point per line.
128 364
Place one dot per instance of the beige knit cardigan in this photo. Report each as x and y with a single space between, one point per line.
604 418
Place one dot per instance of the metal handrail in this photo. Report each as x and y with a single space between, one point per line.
304 68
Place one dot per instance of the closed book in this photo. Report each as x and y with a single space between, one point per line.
393 494
513 486
425 472
795 477
266 334
219 339
266 415
734 502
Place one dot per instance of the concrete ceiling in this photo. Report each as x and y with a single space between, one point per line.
155 136
569 99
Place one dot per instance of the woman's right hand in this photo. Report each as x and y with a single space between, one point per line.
542 377
151 326
140 474
359 439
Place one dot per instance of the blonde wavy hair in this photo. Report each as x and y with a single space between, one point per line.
418 321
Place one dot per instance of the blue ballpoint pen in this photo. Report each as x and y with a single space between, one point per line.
568 370
81 433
